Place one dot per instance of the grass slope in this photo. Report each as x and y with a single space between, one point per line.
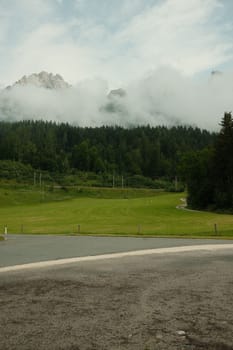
106 211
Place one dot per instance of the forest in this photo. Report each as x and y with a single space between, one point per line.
142 156
152 152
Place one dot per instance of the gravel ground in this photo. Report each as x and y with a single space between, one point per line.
156 302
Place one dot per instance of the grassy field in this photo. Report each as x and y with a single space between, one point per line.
107 212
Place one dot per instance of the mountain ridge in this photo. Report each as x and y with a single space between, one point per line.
42 80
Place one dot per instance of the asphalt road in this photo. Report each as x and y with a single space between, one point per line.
23 249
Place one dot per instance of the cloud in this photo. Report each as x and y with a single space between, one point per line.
181 34
168 97
120 43
164 97
79 105
115 41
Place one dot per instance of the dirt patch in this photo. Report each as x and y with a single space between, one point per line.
149 303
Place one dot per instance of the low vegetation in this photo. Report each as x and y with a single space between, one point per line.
105 211
62 179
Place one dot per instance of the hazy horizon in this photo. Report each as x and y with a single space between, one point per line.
161 52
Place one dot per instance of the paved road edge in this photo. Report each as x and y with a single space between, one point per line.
50 263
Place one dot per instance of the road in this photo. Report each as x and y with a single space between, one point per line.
175 301
23 249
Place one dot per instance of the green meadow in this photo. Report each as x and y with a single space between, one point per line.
101 211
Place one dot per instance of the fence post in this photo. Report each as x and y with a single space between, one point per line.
5 232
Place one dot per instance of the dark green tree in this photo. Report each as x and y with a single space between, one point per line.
196 169
223 164
209 173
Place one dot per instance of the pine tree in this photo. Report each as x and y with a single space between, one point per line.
223 161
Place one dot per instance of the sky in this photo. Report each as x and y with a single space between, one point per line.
118 41
132 44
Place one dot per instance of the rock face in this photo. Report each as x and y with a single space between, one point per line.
117 93
216 72
44 80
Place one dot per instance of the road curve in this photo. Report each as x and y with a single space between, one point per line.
50 263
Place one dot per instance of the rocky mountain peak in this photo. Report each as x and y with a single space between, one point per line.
45 80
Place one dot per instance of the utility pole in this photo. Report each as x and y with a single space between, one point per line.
40 179
176 184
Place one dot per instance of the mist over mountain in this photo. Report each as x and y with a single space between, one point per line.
163 97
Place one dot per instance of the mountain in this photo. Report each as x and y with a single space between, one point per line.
43 80
117 93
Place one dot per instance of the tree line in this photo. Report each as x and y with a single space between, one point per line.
152 152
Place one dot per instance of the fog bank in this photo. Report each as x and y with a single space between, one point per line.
163 97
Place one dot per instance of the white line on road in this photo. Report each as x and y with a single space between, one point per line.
41 264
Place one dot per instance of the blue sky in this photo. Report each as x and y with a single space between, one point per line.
118 41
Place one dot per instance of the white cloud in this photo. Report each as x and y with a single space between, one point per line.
181 34
119 42
164 97
178 33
